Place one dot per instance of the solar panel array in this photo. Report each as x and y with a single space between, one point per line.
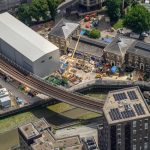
139 109
120 96
143 46
128 112
115 114
132 95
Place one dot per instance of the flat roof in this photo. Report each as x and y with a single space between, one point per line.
29 131
41 125
43 138
3 92
4 99
124 105
23 39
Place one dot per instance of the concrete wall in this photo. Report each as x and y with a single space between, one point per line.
47 64
15 56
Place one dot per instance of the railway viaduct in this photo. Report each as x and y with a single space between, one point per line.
39 85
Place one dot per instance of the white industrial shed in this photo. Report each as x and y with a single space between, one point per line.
26 47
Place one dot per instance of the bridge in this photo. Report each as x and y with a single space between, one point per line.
39 85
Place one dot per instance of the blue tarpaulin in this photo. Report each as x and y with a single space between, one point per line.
107 40
82 32
113 69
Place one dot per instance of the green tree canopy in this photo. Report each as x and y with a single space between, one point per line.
52 5
113 9
24 14
39 9
94 33
137 19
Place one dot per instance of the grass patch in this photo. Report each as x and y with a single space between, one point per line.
118 24
57 114
89 115
98 95
15 121
60 107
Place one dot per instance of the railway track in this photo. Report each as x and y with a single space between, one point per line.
49 90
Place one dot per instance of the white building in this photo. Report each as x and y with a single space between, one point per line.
27 48
5 100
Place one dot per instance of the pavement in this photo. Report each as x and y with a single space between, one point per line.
83 131
12 88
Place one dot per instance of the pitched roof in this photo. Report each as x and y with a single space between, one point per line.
140 48
23 39
119 45
88 46
64 28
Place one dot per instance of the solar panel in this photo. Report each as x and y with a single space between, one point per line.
115 114
119 96
132 95
139 109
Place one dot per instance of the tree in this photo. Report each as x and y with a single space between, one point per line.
39 9
24 14
137 19
52 5
94 33
113 9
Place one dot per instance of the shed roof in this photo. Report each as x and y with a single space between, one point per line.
23 39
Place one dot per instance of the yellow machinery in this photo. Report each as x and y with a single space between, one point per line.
72 57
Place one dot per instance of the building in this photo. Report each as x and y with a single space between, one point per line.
5 100
91 4
138 56
62 33
90 143
9 4
126 123
27 48
39 136
114 53
88 49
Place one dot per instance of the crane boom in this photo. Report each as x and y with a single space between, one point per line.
76 46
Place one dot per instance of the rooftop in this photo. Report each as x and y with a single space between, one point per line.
3 92
119 45
41 125
88 46
140 48
64 28
124 105
23 39
43 138
29 131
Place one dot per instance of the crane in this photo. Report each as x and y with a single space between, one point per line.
66 61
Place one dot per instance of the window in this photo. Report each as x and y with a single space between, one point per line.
50 57
134 147
134 131
145 146
134 124
146 125
42 61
